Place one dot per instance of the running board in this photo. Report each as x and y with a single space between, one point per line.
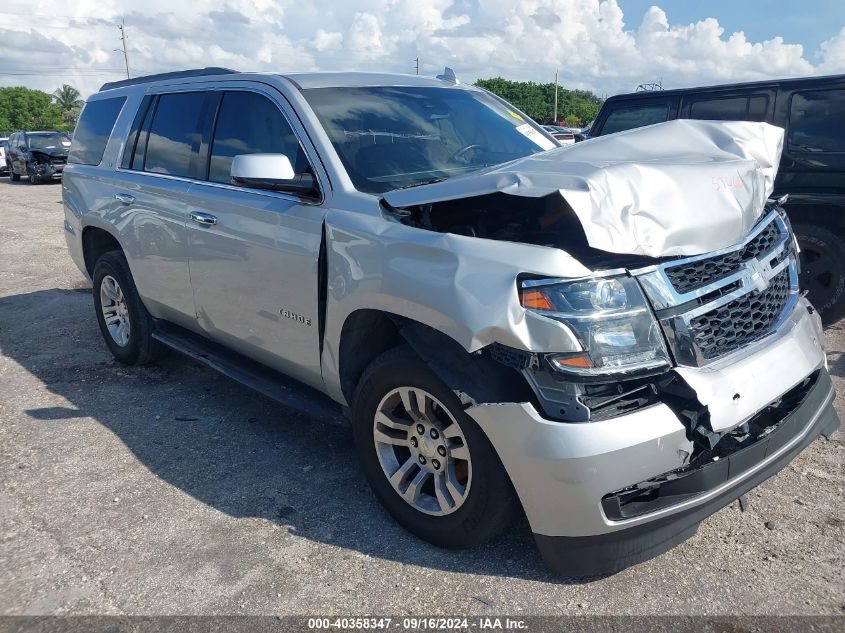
266 381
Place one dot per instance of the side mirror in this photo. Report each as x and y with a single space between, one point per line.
270 171
22 148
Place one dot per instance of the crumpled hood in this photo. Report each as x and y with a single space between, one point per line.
682 187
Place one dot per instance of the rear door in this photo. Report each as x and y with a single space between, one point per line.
158 165
254 253
618 115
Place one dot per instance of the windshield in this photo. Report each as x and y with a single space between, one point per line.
46 141
392 137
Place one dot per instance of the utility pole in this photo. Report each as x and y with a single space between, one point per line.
122 28
555 117
418 65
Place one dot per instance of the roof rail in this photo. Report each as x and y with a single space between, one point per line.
194 72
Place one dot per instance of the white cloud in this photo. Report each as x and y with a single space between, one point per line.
832 53
326 41
590 42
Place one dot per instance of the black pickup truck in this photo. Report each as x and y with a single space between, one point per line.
812 168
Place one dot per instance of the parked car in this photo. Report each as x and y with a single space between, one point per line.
562 134
812 169
41 156
4 147
418 256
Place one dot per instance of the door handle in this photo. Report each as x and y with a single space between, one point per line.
125 198
206 219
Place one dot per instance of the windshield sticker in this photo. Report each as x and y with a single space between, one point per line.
515 115
528 131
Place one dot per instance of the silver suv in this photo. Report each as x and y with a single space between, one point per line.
606 337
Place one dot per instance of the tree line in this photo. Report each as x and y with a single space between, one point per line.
574 107
27 109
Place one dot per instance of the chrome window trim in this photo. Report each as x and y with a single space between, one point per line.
259 192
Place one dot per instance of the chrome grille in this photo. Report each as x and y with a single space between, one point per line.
735 324
695 274
715 304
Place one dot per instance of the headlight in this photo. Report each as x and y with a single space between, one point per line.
611 318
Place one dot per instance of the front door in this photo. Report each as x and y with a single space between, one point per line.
253 254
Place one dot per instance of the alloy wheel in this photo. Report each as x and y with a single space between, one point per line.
422 451
115 310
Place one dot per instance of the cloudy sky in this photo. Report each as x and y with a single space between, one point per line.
608 46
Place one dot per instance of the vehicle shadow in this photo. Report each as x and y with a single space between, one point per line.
225 445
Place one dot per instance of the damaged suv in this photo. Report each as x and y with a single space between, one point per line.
41 156
608 337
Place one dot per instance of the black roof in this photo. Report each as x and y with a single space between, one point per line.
766 83
193 72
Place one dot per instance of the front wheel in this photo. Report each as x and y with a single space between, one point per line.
428 462
15 177
822 270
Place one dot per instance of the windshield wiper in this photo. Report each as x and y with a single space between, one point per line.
430 181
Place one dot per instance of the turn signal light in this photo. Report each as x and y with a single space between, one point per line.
578 361
534 300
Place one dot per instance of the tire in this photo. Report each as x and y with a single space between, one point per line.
33 179
489 503
15 177
134 345
822 270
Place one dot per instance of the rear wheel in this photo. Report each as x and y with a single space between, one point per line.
822 270
125 324
428 462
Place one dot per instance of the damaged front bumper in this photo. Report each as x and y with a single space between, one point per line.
603 495
48 169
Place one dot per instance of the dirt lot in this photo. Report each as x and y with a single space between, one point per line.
171 489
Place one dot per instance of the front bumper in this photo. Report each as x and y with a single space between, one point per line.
563 471
52 171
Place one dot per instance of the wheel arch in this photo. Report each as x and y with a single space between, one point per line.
96 242
474 377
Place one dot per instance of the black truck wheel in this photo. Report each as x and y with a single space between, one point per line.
822 270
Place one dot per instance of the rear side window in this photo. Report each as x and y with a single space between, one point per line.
263 131
816 121
630 117
174 133
730 109
93 131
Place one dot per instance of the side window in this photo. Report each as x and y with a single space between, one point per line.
174 133
816 123
249 123
630 117
93 131
730 109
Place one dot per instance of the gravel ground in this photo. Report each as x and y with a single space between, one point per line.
173 490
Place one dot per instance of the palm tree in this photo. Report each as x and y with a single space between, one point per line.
67 98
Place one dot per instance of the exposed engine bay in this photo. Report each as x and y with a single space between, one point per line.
543 221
